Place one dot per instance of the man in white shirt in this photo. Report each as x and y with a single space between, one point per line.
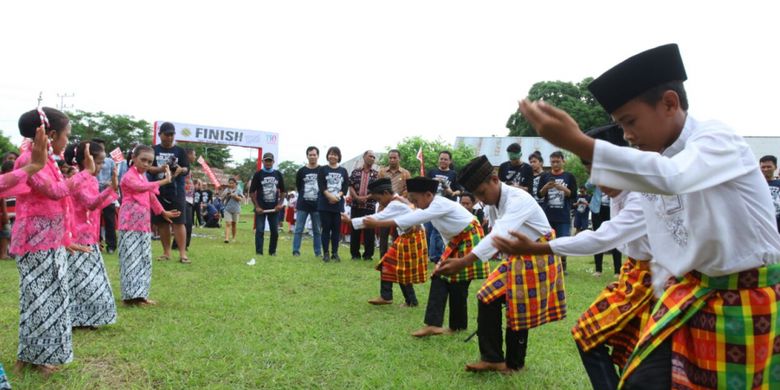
704 332
406 261
608 330
531 286
461 231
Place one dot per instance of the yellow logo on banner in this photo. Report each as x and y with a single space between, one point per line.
186 132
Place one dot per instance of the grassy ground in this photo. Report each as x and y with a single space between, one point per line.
287 322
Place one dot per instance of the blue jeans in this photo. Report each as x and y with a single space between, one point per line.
273 225
300 224
435 242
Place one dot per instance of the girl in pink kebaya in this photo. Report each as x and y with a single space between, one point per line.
39 241
91 299
13 183
135 237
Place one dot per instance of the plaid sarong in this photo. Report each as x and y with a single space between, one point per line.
533 286
725 330
618 314
406 261
460 246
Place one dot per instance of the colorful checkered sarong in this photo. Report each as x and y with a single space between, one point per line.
460 246
618 314
406 261
533 286
725 331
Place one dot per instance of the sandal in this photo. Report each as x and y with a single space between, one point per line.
163 258
184 260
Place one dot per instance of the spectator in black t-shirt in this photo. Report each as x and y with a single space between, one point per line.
333 182
537 175
308 190
557 189
515 172
581 210
172 196
267 192
468 201
448 188
768 166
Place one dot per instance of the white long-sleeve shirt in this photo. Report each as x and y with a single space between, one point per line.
393 210
516 211
625 231
704 200
448 217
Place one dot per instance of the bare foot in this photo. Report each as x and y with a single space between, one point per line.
428 331
482 366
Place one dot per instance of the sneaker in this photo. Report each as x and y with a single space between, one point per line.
336 257
326 257
355 257
368 258
296 254
110 251
597 274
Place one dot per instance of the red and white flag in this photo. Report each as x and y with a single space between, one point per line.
422 161
117 155
208 171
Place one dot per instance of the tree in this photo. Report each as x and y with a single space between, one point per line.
575 167
121 131
575 99
218 156
289 169
124 131
410 145
245 170
6 145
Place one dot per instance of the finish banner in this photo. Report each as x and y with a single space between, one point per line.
187 132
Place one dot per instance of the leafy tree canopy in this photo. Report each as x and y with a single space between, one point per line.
575 99
410 145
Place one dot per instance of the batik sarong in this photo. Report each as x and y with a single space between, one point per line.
91 298
44 321
135 264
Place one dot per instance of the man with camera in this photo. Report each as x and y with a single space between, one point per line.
172 196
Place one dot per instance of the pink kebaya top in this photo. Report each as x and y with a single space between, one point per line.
87 205
42 212
138 197
9 183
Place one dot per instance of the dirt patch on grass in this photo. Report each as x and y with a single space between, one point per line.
107 372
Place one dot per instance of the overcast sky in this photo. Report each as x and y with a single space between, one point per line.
365 74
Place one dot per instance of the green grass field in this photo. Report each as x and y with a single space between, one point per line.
286 323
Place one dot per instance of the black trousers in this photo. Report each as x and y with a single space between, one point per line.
198 216
598 364
384 236
489 320
368 236
109 221
331 231
617 257
386 292
655 371
458 293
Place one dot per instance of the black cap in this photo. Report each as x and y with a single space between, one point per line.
514 148
475 173
379 186
611 133
422 184
268 156
638 74
167 128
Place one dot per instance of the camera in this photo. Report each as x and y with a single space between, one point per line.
172 163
